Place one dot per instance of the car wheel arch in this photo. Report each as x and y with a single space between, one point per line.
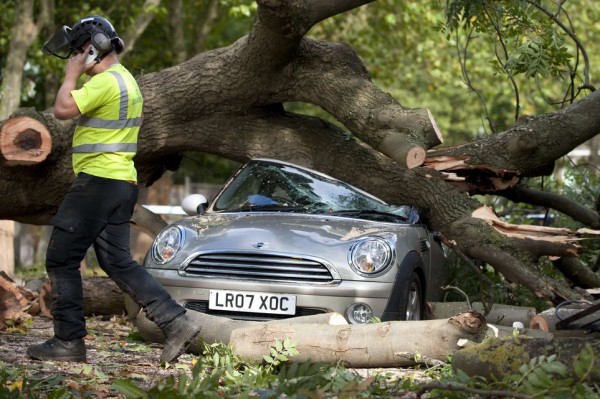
411 263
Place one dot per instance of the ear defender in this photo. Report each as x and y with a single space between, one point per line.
100 41
119 45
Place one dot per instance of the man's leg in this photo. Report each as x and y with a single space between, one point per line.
114 255
76 225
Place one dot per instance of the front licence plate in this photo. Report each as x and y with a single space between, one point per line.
255 302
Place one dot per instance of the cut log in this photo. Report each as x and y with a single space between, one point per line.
403 150
7 239
389 344
24 141
498 357
101 296
577 316
216 329
13 304
504 315
405 134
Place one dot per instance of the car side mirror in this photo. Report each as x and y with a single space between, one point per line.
195 204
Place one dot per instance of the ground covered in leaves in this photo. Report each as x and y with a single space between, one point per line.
113 353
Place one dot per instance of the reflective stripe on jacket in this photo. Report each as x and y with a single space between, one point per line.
105 139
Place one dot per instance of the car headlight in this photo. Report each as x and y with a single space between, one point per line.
370 256
167 244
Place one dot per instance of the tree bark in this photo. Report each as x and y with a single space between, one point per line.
364 345
7 256
24 31
357 345
496 358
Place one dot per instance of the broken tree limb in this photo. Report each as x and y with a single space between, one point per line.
147 221
540 240
504 315
547 199
505 355
24 141
576 271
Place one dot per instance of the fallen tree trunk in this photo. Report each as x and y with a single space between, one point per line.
101 296
389 344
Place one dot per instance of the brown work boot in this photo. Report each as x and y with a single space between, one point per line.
178 335
58 349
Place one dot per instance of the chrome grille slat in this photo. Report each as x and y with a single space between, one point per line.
256 259
272 266
259 266
252 273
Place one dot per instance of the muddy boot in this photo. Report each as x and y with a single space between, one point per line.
178 334
57 349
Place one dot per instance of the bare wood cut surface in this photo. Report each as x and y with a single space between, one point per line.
24 141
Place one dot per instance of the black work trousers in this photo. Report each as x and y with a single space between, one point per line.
97 211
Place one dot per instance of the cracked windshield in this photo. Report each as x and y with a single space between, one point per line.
274 187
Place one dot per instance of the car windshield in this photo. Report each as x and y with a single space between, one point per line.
275 187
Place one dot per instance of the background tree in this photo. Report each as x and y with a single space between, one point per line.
241 100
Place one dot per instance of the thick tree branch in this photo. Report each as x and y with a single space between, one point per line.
573 269
334 78
582 214
524 150
293 19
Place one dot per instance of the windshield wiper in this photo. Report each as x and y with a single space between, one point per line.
366 212
266 208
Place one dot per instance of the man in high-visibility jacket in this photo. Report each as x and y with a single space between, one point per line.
97 209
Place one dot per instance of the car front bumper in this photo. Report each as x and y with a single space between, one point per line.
194 293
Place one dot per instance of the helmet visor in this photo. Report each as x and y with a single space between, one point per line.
59 44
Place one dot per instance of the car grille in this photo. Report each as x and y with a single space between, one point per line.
202 306
261 266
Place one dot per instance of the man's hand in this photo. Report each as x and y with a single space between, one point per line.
65 106
76 65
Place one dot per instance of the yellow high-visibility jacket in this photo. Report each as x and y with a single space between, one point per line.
105 139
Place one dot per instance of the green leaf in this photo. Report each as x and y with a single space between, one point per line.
129 389
268 359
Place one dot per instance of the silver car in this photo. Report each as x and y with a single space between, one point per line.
280 240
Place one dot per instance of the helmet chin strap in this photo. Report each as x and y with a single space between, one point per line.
103 56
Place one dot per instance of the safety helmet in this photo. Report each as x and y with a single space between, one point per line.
97 30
